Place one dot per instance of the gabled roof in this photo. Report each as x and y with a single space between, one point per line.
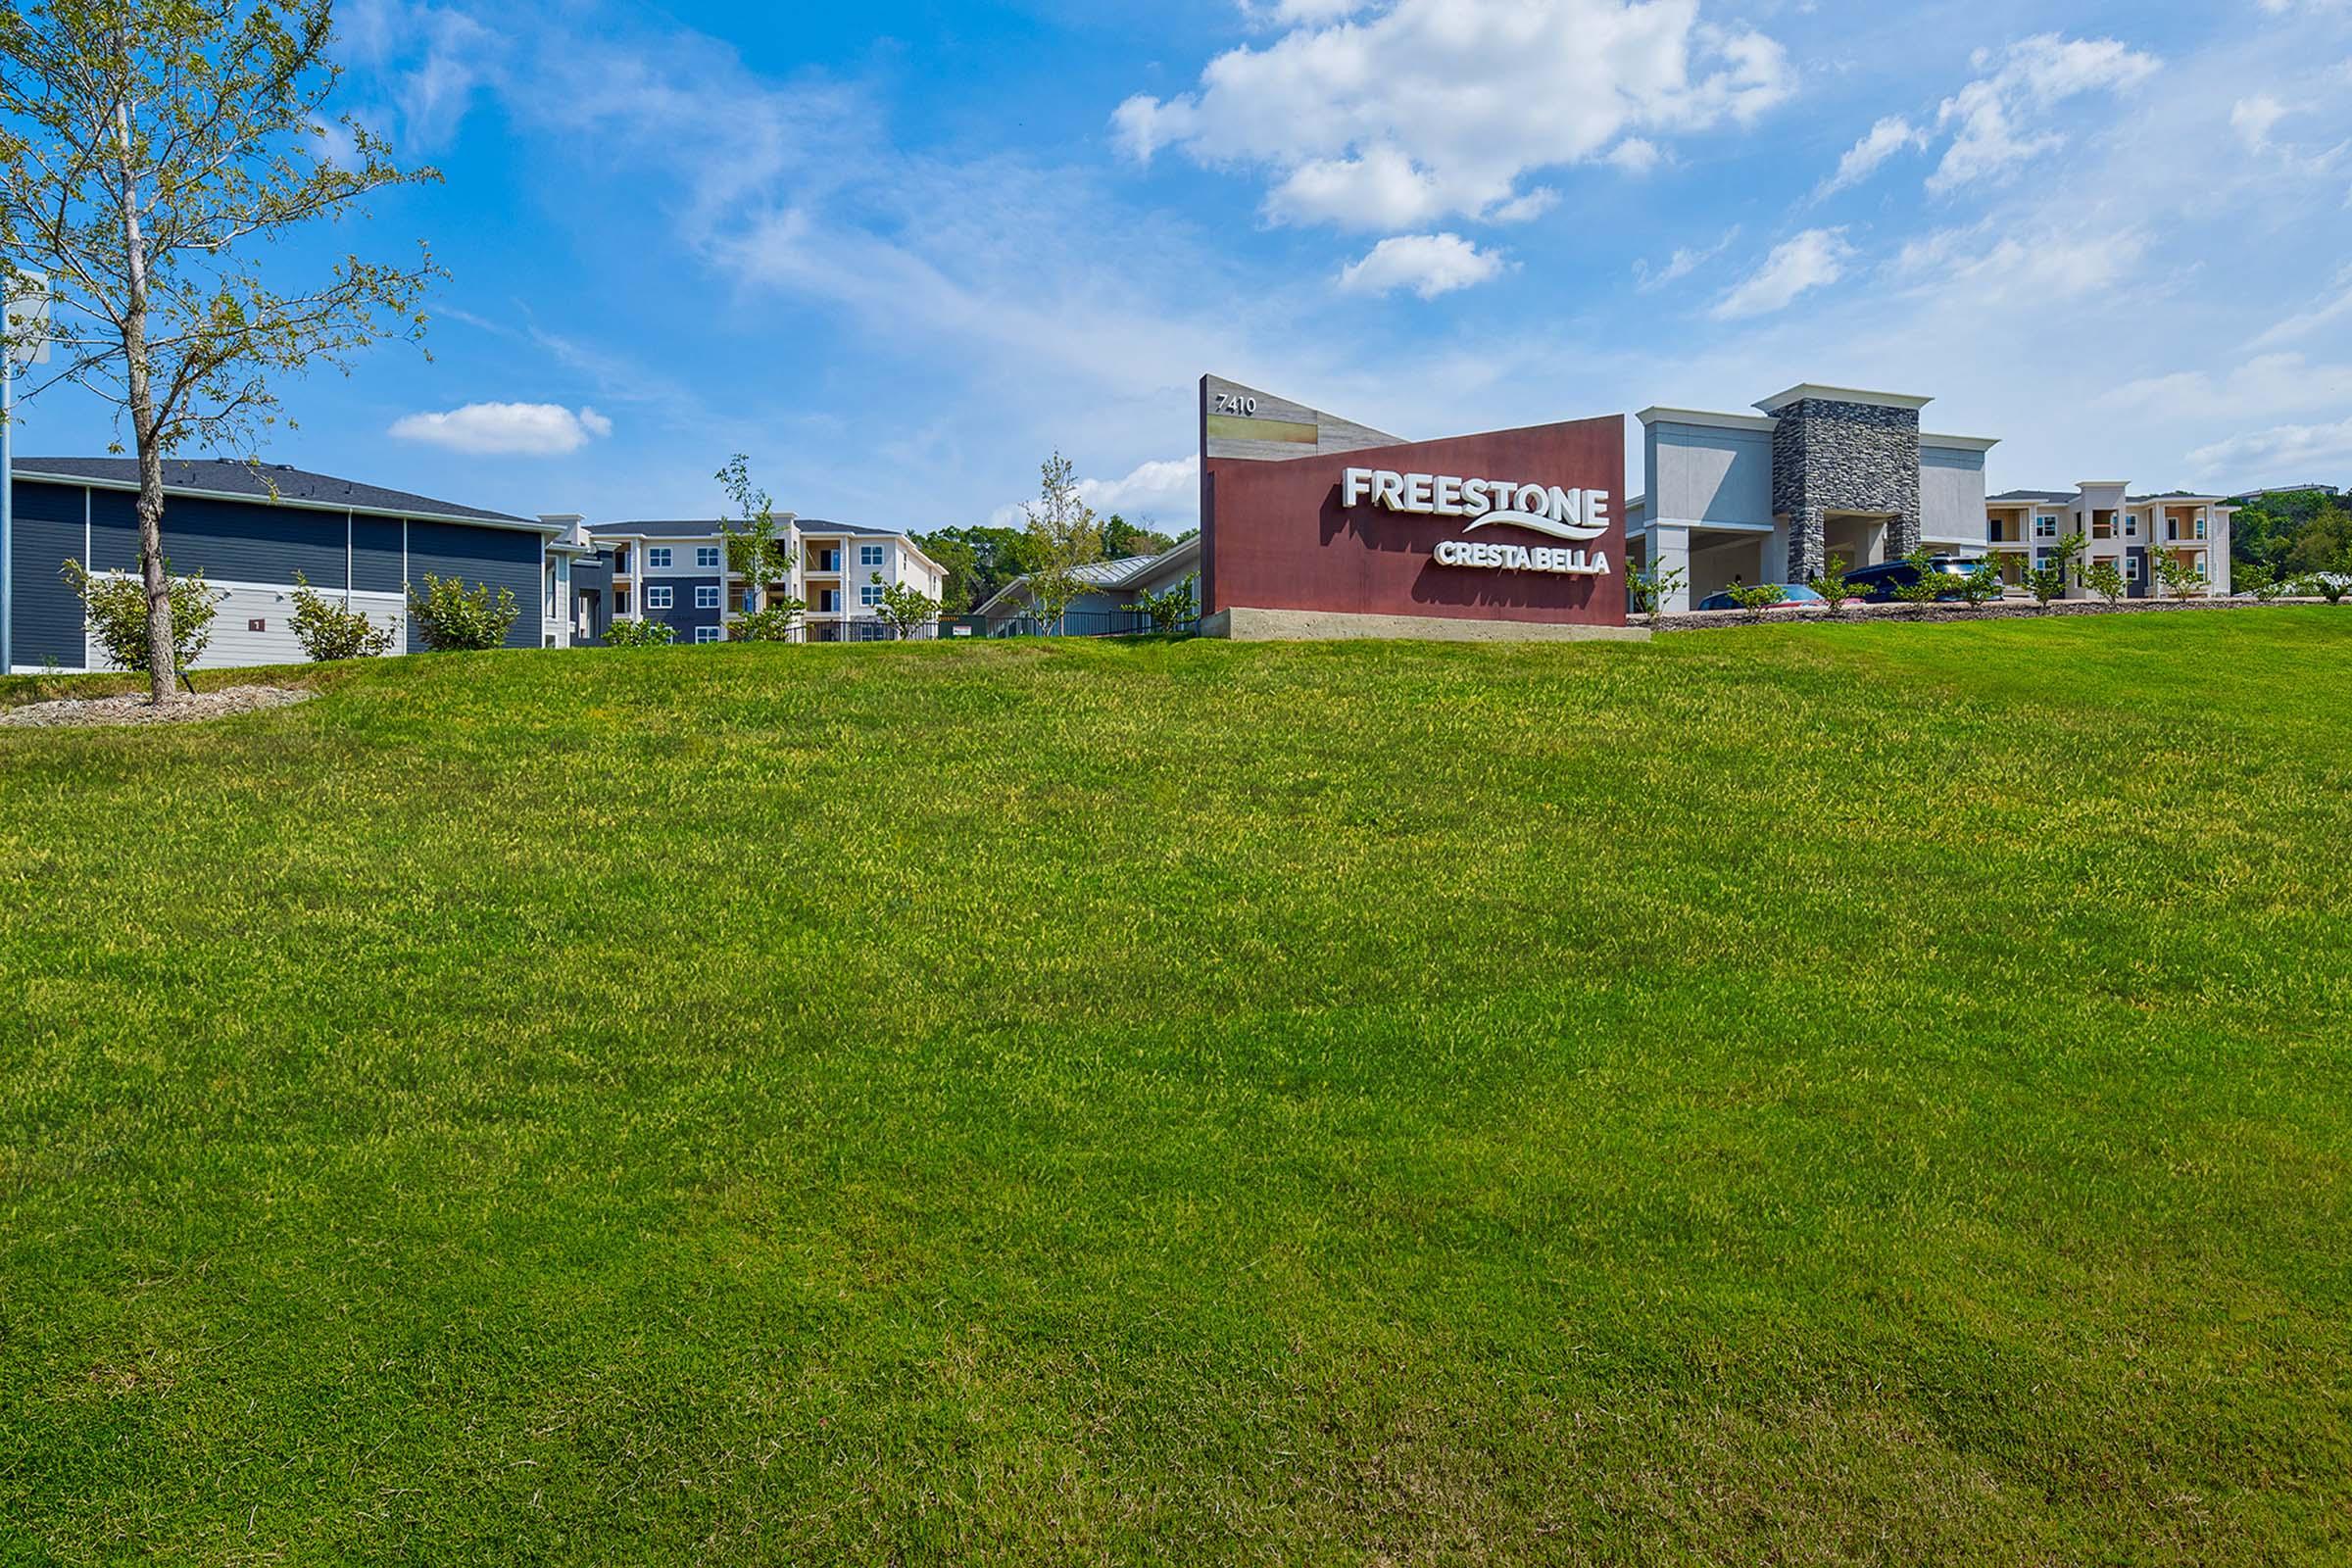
269 482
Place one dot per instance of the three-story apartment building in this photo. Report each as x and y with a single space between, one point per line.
2026 526
676 573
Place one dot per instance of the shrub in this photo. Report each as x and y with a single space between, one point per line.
2175 574
627 633
1929 585
1653 588
2327 585
329 631
1830 584
904 606
451 619
1172 608
1980 585
114 607
1756 598
2106 579
776 624
2048 583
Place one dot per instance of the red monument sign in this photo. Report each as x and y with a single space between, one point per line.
1317 526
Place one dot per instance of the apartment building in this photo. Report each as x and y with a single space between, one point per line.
676 573
2026 526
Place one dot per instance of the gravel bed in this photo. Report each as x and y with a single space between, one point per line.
133 708
2001 610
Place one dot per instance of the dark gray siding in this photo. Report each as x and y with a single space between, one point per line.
115 533
376 555
250 541
681 616
503 558
47 612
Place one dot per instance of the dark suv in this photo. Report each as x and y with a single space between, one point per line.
1877 584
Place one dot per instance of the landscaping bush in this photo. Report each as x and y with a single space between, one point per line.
1756 598
2106 579
114 607
1170 610
627 633
1980 585
329 631
2174 574
774 625
1829 582
1653 588
453 618
2051 582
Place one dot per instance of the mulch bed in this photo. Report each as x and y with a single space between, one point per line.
134 708
2002 609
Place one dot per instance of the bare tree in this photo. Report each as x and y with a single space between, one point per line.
148 148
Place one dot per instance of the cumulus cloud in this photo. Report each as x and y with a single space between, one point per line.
1880 143
1165 491
2253 118
505 429
1814 259
2000 120
2281 449
2269 383
1419 110
1429 264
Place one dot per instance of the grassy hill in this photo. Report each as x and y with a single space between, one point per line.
1871 1094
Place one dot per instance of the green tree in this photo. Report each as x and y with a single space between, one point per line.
1063 536
764 561
2049 577
2326 539
115 609
149 149
1123 540
998 555
903 608
2175 574
1980 584
1170 608
960 564
2106 579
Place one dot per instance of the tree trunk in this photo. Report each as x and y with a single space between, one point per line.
163 667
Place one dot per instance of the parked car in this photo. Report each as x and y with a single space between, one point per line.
1792 593
1877 584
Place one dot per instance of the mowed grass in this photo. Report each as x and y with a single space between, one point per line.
1814 1095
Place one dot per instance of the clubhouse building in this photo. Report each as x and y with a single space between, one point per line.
1820 470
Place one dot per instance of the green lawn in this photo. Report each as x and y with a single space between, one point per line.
1816 1094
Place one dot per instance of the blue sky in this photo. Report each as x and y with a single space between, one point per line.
898 252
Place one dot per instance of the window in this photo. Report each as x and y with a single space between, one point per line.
2046 528
869 554
2134 566
706 596
2131 524
828 600
657 556
705 634
657 597
827 561
869 594
706 556
621 601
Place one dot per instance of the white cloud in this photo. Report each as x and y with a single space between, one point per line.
1428 109
1814 259
1960 263
2253 118
1429 264
2304 323
1995 114
505 429
2266 455
1681 263
1880 143
1167 492
2270 383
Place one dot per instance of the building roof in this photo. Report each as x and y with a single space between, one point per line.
2030 495
709 528
1124 572
2176 495
273 483
1804 390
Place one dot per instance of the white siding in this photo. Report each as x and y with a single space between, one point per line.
1699 473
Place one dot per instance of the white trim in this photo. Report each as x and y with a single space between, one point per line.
1841 394
717 601
1960 443
1701 417
1711 524
715 634
132 485
669 594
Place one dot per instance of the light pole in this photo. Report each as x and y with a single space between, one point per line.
27 344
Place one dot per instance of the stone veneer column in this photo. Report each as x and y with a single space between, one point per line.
1808 544
1902 533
